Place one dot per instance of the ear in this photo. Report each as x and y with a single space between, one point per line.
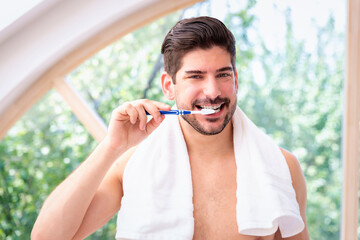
236 80
167 86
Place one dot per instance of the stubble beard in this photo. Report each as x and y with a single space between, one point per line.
191 119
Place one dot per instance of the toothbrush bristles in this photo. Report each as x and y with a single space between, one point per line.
206 111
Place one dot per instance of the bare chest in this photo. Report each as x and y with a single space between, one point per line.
214 199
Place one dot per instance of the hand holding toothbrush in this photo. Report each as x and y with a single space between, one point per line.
129 124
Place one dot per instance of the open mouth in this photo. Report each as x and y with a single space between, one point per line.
216 108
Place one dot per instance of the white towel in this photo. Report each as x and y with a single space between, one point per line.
157 185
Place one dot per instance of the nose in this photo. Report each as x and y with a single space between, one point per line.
211 88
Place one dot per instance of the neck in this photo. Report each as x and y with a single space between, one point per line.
208 146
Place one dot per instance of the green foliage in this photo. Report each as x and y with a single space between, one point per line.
299 105
37 154
122 71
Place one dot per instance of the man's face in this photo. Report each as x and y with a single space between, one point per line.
207 80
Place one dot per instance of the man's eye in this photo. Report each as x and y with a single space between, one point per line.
224 75
195 76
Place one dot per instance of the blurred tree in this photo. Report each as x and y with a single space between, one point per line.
36 155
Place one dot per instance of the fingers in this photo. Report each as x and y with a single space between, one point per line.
135 112
152 124
153 109
131 112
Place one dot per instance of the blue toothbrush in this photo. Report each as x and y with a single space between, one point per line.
204 111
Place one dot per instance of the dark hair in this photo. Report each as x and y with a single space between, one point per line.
192 33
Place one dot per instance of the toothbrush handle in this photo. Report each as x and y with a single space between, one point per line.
173 112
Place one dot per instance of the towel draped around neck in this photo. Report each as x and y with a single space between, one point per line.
158 194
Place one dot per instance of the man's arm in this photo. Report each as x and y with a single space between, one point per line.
72 206
63 211
107 200
298 182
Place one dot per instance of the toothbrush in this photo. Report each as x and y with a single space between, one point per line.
204 111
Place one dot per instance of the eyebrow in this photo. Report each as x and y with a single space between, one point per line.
225 69
202 72
194 72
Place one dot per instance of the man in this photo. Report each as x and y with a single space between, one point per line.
199 59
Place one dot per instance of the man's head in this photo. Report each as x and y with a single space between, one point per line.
199 58
193 33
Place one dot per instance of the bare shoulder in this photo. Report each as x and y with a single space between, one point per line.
296 172
299 184
297 176
290 158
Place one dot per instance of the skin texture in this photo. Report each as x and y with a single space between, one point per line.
92 194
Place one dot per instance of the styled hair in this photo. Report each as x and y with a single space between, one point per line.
193 33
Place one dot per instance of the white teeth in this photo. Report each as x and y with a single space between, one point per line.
215 108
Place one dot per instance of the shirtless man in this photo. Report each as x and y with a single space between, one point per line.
201 74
